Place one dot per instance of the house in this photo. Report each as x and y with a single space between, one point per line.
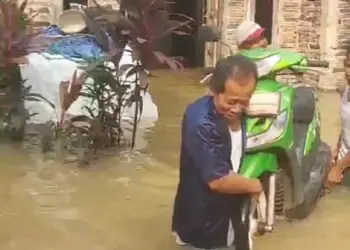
319 29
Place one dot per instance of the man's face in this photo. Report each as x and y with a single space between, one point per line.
235 99
347 68
261 43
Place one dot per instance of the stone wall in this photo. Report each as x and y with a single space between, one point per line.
302 26
113 3
309 30
46 12
235 13
343 39
289 16
50 9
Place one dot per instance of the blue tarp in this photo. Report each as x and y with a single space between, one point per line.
75 47
53 30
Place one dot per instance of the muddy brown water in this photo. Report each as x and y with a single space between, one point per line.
126 202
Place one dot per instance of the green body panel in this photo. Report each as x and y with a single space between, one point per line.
259 159
258 125
288 58
254 165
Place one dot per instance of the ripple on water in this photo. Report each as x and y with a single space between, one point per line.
126 202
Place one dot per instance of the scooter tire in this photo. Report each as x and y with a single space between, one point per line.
304 209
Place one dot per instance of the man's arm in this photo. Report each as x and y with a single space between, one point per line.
335 175
205 146
344 163
235 184
335 152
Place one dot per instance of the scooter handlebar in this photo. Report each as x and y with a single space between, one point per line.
317 63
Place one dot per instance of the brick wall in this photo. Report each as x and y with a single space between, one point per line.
112 3
235 12
289 16
55 7
232 14
299 28
309 29
343 39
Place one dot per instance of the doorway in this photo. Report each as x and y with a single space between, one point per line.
264 15
187 47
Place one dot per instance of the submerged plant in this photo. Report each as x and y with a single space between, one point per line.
109 87
15 44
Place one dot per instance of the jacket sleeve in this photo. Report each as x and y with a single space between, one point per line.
206 148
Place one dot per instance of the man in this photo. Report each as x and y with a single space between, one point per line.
342 151
250 35
207 209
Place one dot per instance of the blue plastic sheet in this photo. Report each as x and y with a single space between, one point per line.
77 48
52 30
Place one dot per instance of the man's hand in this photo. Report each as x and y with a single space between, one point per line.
335 153
259 188
335 176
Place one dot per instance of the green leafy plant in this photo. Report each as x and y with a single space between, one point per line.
15 43
108 88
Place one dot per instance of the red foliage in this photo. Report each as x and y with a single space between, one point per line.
145 24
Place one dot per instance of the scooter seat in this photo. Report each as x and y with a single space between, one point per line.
304 105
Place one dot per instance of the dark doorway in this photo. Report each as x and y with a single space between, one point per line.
187 47
264 16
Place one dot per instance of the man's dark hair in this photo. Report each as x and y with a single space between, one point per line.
236 67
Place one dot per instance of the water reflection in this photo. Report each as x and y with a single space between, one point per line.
126 203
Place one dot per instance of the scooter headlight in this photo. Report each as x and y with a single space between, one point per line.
274 132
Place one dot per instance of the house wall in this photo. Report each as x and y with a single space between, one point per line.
309 33
54 8
316 28
342 39
113 3
47 10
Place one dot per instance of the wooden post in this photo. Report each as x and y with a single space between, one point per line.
214 17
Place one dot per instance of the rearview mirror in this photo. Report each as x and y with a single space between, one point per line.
208 34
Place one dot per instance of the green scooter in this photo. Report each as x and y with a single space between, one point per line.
284 148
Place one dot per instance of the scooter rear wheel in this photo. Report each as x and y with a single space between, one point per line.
304 209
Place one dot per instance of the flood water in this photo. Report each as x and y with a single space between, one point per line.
126 202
